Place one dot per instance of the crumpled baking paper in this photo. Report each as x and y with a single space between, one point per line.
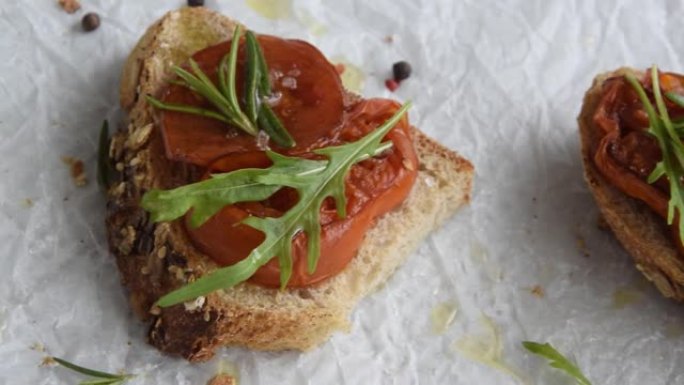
499 81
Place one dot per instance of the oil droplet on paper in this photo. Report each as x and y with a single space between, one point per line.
227 373
487 349
272 9
314 26
674 329
442 316
353 78
480 256
625 296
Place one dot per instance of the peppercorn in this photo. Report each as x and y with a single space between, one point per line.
90 21
195 3
401 70
391 84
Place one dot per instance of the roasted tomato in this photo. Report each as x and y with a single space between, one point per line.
311 105
626 153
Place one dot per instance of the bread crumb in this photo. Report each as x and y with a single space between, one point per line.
69 6
77 170
537 291
155 310
48 361
222 379
27 203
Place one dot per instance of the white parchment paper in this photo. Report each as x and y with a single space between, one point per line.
500 81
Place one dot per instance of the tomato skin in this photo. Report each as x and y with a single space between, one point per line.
317 117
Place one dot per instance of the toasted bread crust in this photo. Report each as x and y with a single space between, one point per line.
157 258
643 233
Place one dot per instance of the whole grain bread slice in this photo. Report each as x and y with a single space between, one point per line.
642 233
156 258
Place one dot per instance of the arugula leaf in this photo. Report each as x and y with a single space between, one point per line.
671 147
314 180
557 360
99 378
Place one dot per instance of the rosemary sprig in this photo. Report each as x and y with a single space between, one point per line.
662 128
224 96
97 377
314 180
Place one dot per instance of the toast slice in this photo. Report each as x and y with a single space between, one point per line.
156 258
642 232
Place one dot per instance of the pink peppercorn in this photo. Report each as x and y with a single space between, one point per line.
391 84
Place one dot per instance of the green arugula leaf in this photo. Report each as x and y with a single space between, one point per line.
314 180
671 147
557 360
99 378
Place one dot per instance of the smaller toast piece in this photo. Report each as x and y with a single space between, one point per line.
155 259
642 232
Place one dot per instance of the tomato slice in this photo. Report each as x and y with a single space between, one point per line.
373 187
308 98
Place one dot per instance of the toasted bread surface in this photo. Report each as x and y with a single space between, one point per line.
157 258
642 232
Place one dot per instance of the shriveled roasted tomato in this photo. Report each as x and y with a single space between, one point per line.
308 98
373 187
626 153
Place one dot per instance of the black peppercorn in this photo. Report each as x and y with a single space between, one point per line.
195 3
401 70
90 21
